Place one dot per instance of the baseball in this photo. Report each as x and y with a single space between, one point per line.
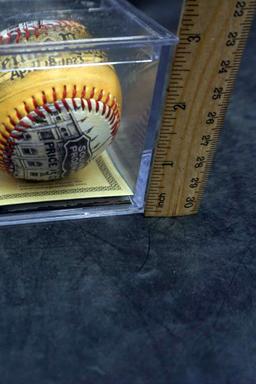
43 30
55 116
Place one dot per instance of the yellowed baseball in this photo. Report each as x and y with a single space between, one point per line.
55 121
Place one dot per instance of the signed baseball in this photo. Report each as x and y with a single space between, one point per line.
59 113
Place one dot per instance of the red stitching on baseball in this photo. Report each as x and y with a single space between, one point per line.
32 118
27 33
39 113
110 112
26 107
92 93
9 36
17 128
18 114
65 104
64 92
83 92
108 98
11 121
24 125
44 98
8 129
4 134
112 119
19 34
82 103
101 94
54 94
57 106
14 136
46 108
37 31
74 91
89 105
74 103
35 102
16 34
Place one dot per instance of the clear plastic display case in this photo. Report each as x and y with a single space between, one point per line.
82 88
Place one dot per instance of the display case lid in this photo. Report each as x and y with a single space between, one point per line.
109 23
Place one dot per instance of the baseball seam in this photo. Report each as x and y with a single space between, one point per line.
108 109
15 35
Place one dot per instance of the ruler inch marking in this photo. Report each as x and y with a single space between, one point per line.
212 40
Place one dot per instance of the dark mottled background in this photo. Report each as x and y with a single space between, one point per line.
129 300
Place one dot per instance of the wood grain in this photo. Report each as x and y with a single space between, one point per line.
212 39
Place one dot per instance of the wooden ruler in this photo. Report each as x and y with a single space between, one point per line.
212 38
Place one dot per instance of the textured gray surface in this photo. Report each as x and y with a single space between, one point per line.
126 300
